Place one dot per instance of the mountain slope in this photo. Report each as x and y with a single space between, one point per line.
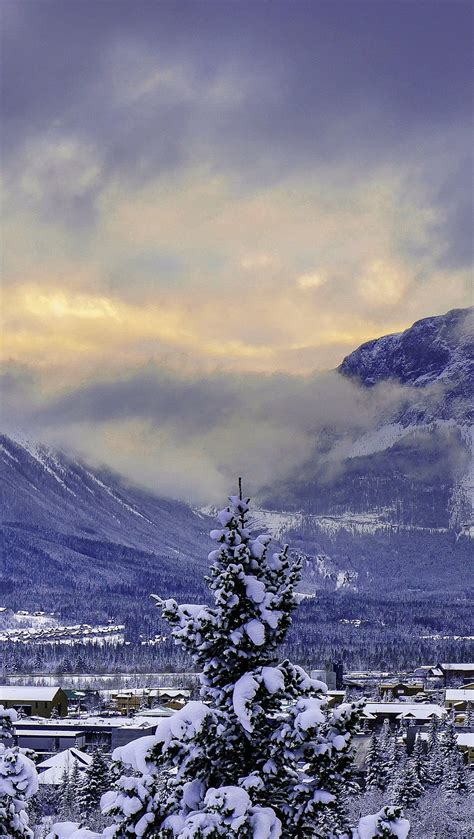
437 350
393 511
413 468
71 530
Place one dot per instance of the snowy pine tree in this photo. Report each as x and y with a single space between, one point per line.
418 760
376 766
387 824
449 741
260 755
407 788
455 779
18 782
94 782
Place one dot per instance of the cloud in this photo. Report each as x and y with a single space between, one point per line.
188 436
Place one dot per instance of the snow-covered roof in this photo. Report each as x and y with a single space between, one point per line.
467 666
162 711
466 739
60 758
421 713
65 761
30 694
417 709
79 723
460 695
170 692
35 732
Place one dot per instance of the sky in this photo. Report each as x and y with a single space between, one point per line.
215 198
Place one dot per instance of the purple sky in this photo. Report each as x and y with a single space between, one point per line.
226 188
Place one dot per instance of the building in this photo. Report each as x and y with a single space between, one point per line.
466 745
106 732
50 740
172 696
377 712
396 689
52 770
457 674
34 701
457 699
332 675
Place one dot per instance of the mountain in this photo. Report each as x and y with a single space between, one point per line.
434 351
391 513
414 467
71 533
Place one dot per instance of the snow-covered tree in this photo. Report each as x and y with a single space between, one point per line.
260 755
375 765
387 824
407 789
449 741
418 760
394 755
455 779
384 736
433 733
18 782
8 717
94 782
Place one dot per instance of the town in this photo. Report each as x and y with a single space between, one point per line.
63 725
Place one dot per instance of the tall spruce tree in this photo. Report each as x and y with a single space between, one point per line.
418 760
375 766
94 782
407 788
260 755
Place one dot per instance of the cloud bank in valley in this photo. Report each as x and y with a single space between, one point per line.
189 437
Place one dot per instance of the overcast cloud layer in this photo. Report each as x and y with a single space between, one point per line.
194 189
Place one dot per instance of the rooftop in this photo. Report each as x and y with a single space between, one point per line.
460 695
30 694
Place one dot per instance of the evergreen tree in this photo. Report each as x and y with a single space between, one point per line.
455 778
376 767
384 736
260 754
433 734
449 741
407 787
18 782
434 767
418 760
70 783
395 755
95 781
387 824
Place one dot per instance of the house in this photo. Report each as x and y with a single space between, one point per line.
458 699
327 676
466 744
128 701
396 688
377 712
173 696
106 732
457 674
52 770
34 701
50 740
335 697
